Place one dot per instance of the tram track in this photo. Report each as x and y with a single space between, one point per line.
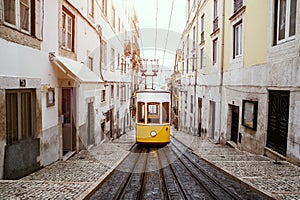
213 188
169 172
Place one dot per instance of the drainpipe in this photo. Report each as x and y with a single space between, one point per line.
99 30
196 73
221 71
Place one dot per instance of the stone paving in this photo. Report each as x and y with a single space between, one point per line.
80 175
281 180
71 179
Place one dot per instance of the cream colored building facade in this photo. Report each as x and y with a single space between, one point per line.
240 74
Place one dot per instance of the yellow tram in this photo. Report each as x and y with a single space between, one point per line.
153 116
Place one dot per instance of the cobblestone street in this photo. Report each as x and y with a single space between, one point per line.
78 176
280 180
70 179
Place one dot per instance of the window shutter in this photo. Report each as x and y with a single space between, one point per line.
39 19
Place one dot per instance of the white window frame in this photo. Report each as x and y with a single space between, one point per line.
233 10
104 7
215 51
238 40
112 59
287 36
201 58
91 8
68 45
17 16
90 61
103 95
113 17
202 36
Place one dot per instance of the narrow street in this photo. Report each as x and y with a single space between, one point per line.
149 99
170 172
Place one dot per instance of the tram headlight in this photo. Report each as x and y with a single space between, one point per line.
153 133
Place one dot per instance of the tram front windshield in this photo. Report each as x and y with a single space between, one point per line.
153 113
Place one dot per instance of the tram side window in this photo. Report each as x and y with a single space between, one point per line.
165 112
153 113
141 112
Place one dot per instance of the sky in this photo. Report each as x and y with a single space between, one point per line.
153 38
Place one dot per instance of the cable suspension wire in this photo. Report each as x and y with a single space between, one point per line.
166 41
156 28
170 19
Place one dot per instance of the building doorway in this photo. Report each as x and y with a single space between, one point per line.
234 123
91 122
212 118
68 120
199 116
278 120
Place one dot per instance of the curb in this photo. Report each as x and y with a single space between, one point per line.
266 194
88 193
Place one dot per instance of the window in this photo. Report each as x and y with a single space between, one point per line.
113 17
104 7
194 38
165 112
103 55
141 112
112 67
118 91
215 51
237 4
123 93
237 40
90 61
103 95
153 115
91 8
285 20
192 100
17 13
183 58
112 91
20 116
118 65
194 59
187 53
215 20
67 30
201 58
202 28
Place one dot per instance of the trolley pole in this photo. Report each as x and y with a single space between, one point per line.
155 65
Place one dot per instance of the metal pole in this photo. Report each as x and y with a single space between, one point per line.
221 70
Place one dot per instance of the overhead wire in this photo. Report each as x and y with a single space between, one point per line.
170 19
156 28
167 37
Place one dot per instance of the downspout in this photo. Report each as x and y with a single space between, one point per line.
99 30
222 71
196 73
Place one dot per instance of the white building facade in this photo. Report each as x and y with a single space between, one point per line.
56 95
